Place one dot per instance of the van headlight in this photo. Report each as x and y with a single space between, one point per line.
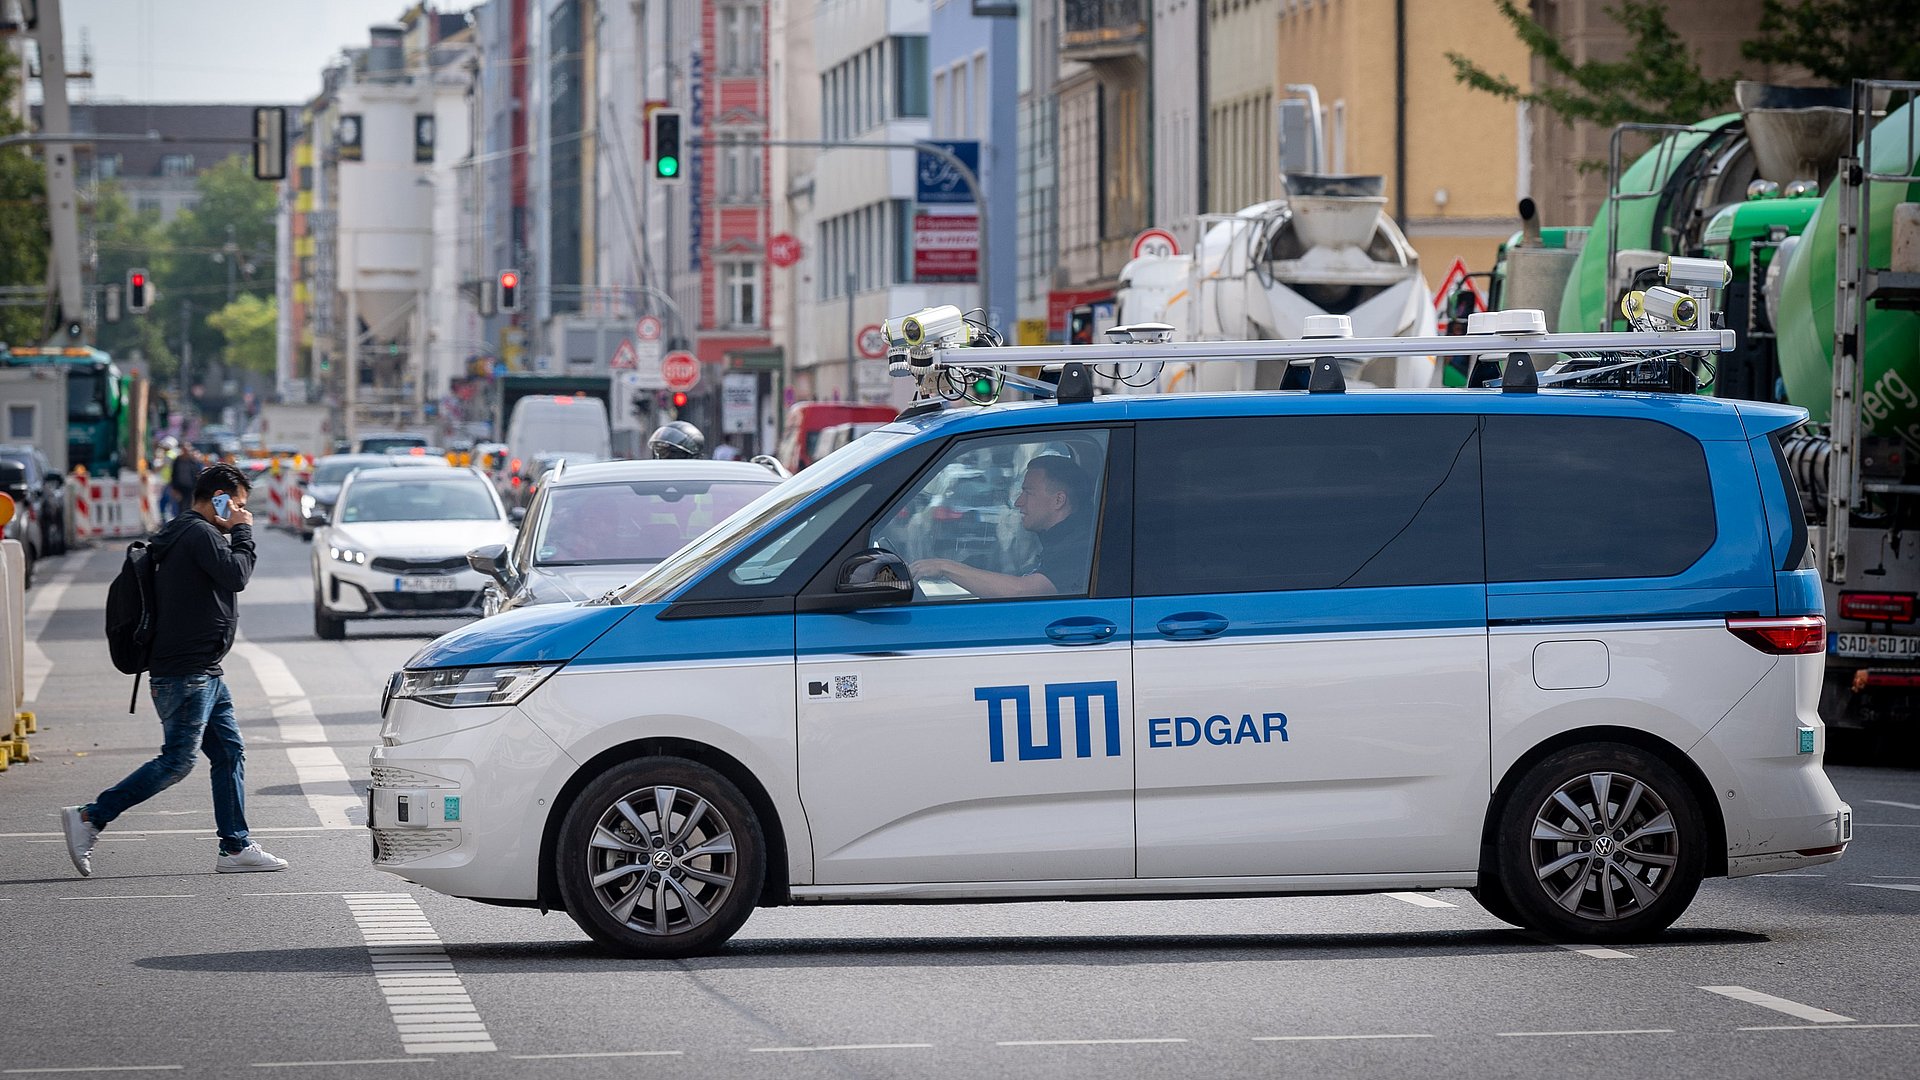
454 688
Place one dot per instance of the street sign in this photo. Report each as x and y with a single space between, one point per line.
647 329
739 402
1457 278
1155 243
783 250
937 181
680 371
871 341
624 358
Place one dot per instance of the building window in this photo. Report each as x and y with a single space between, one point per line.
21 425
910 76
739 171
176 165
149 206
740 48
741 285
107 166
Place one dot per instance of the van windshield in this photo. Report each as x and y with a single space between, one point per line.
560 434
720 541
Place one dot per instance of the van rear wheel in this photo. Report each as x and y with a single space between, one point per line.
660 857
1604 842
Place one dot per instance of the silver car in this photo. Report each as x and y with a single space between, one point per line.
595 527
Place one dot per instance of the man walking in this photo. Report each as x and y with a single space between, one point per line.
201 559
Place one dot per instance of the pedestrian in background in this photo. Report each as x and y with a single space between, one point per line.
201 560
185 474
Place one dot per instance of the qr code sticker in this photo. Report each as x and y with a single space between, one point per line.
846 687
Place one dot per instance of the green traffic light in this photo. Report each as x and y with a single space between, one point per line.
982 387
669 166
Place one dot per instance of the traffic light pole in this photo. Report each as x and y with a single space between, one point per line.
934 150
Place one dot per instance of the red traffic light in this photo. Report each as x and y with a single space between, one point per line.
139 279
509 279
679 399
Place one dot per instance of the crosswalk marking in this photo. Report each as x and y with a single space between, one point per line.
431 1010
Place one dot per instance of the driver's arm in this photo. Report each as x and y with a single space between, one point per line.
985 582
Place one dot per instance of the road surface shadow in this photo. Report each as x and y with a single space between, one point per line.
561 957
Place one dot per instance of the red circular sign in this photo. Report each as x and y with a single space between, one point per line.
680 370
872 341
648 328
1155 242
783 250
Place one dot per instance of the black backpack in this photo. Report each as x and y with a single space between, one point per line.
131 617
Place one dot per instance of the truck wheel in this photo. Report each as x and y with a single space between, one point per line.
326 627
660 857
1603 842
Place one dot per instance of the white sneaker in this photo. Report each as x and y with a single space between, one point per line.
81 836
250 860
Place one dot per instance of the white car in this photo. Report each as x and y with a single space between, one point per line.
396 547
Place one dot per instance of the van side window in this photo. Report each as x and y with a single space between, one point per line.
1002 517
1575 497
1263 504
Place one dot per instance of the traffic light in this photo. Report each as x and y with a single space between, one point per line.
509 291
139 297
668 166
1080 325
679 400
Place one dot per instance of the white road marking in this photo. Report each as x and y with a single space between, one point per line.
1087 1042
1884 825
36 665
603 1054
1827 1027
843 1046
200 834
431 1010
145 896
1890 802
94 1069
1884 885
1420 899
1624 1031
314 762
316 1064
1779 1004
1792 875
1596 951
1332 1038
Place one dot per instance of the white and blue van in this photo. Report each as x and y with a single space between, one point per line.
1560 648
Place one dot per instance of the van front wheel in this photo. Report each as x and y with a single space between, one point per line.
660 857
1604 842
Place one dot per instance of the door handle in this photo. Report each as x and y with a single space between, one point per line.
1188 625
1084 630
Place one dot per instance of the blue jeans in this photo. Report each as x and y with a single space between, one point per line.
195 710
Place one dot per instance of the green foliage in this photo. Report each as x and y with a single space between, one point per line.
1840 40
127 239
1658 82
23 219
251 327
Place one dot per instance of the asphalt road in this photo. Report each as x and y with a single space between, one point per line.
156 964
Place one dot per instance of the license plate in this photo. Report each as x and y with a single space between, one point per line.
1877 646
425 584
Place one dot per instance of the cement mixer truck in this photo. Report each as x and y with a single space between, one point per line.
1809 196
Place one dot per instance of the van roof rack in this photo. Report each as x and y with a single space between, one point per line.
955 369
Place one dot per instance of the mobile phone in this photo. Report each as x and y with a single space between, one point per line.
221 503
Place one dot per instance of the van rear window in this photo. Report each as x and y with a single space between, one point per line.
1579 497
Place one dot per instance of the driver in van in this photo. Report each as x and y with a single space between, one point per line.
1055 505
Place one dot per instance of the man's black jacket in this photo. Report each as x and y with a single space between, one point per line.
197 574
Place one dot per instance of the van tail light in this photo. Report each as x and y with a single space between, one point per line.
1785 636
1877 607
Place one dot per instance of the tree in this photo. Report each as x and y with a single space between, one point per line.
125 239
251 327
225 241
24 236
1658 82
1840 40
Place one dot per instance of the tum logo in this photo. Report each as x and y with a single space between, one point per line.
1082 695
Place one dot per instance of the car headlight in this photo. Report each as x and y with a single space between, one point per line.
454 688
346 555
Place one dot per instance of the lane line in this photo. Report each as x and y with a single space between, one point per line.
1624 1031
317 1064
314 763
36 665
1884 885
1791 875
148 896
1419 899
841 1046
1890 802
1827 1027
203 834
1087 1042
1885 825
1332 1038
1779 1004
603 1054
1597 952
94 1069
430 1008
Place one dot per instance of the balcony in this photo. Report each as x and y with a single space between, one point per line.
1102 29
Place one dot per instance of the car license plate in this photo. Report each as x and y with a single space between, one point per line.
1877 646
425 584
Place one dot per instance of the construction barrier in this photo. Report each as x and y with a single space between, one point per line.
276 500
13 644
111 509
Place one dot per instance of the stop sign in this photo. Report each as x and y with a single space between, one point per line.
783 250
680 370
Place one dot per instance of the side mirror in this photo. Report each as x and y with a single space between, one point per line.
517 515
491 561
876 575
